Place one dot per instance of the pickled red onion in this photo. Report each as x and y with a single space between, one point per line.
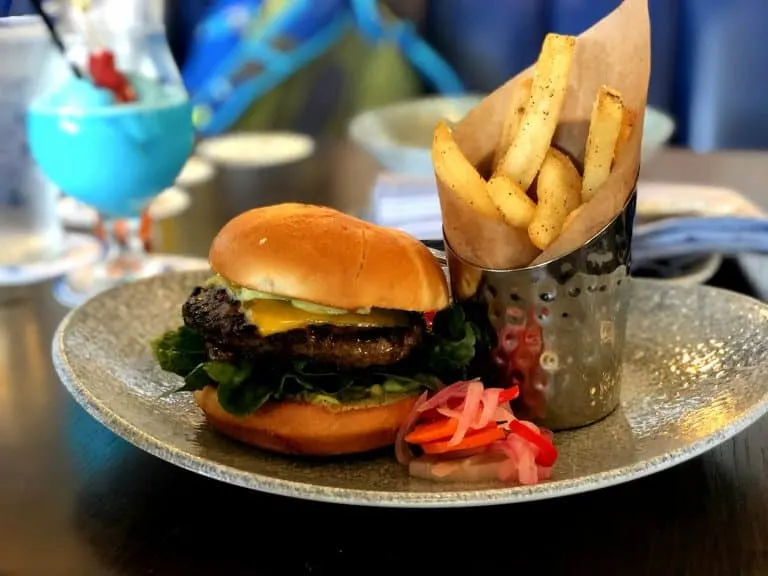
462 454
468 411
512 459
503 414
456 390
490 402
441 469
521 464
545 453
402 452
475 412
545 473
508 471
479 468
451 412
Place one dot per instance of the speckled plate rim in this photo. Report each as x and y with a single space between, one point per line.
103 414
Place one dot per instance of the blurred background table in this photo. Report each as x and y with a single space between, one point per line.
341 173
77 500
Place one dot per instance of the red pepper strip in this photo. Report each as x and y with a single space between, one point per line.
547 452
429 317
509 394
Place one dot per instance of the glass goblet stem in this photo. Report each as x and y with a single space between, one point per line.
127 244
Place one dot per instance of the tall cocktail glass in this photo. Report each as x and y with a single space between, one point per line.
112 145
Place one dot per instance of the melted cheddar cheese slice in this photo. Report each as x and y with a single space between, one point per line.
275 316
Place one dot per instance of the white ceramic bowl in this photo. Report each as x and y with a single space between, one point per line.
399 135
658 127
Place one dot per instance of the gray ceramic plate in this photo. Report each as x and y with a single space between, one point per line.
695 376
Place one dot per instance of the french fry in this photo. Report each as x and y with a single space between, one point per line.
604 128
559 193
537 127
628 120
571 217
455 171
512 202
515 113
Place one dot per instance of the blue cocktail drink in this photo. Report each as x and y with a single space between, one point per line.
112 128
114 157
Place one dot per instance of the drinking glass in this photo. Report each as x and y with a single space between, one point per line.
30 230
113 155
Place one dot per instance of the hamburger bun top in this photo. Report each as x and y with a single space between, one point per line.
323 256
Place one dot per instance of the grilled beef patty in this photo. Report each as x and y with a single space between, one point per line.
211 312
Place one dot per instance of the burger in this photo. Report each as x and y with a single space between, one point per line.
311 337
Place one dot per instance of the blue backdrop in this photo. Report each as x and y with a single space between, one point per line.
709 65
708 56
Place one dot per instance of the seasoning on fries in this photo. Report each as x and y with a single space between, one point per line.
515 206
452 167
515 113
537 127
558 190
533 185
604 131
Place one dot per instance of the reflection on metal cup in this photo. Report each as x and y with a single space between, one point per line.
560 325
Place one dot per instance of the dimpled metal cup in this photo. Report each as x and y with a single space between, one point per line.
560 325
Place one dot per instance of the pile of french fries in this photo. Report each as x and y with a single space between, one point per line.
533 185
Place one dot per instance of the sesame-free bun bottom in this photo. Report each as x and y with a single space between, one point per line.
308 429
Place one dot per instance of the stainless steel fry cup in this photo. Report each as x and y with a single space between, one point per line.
560 326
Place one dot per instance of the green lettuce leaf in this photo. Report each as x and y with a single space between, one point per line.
179 351
246 386
445 356
451 345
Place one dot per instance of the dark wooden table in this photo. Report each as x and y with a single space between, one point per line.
77 500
